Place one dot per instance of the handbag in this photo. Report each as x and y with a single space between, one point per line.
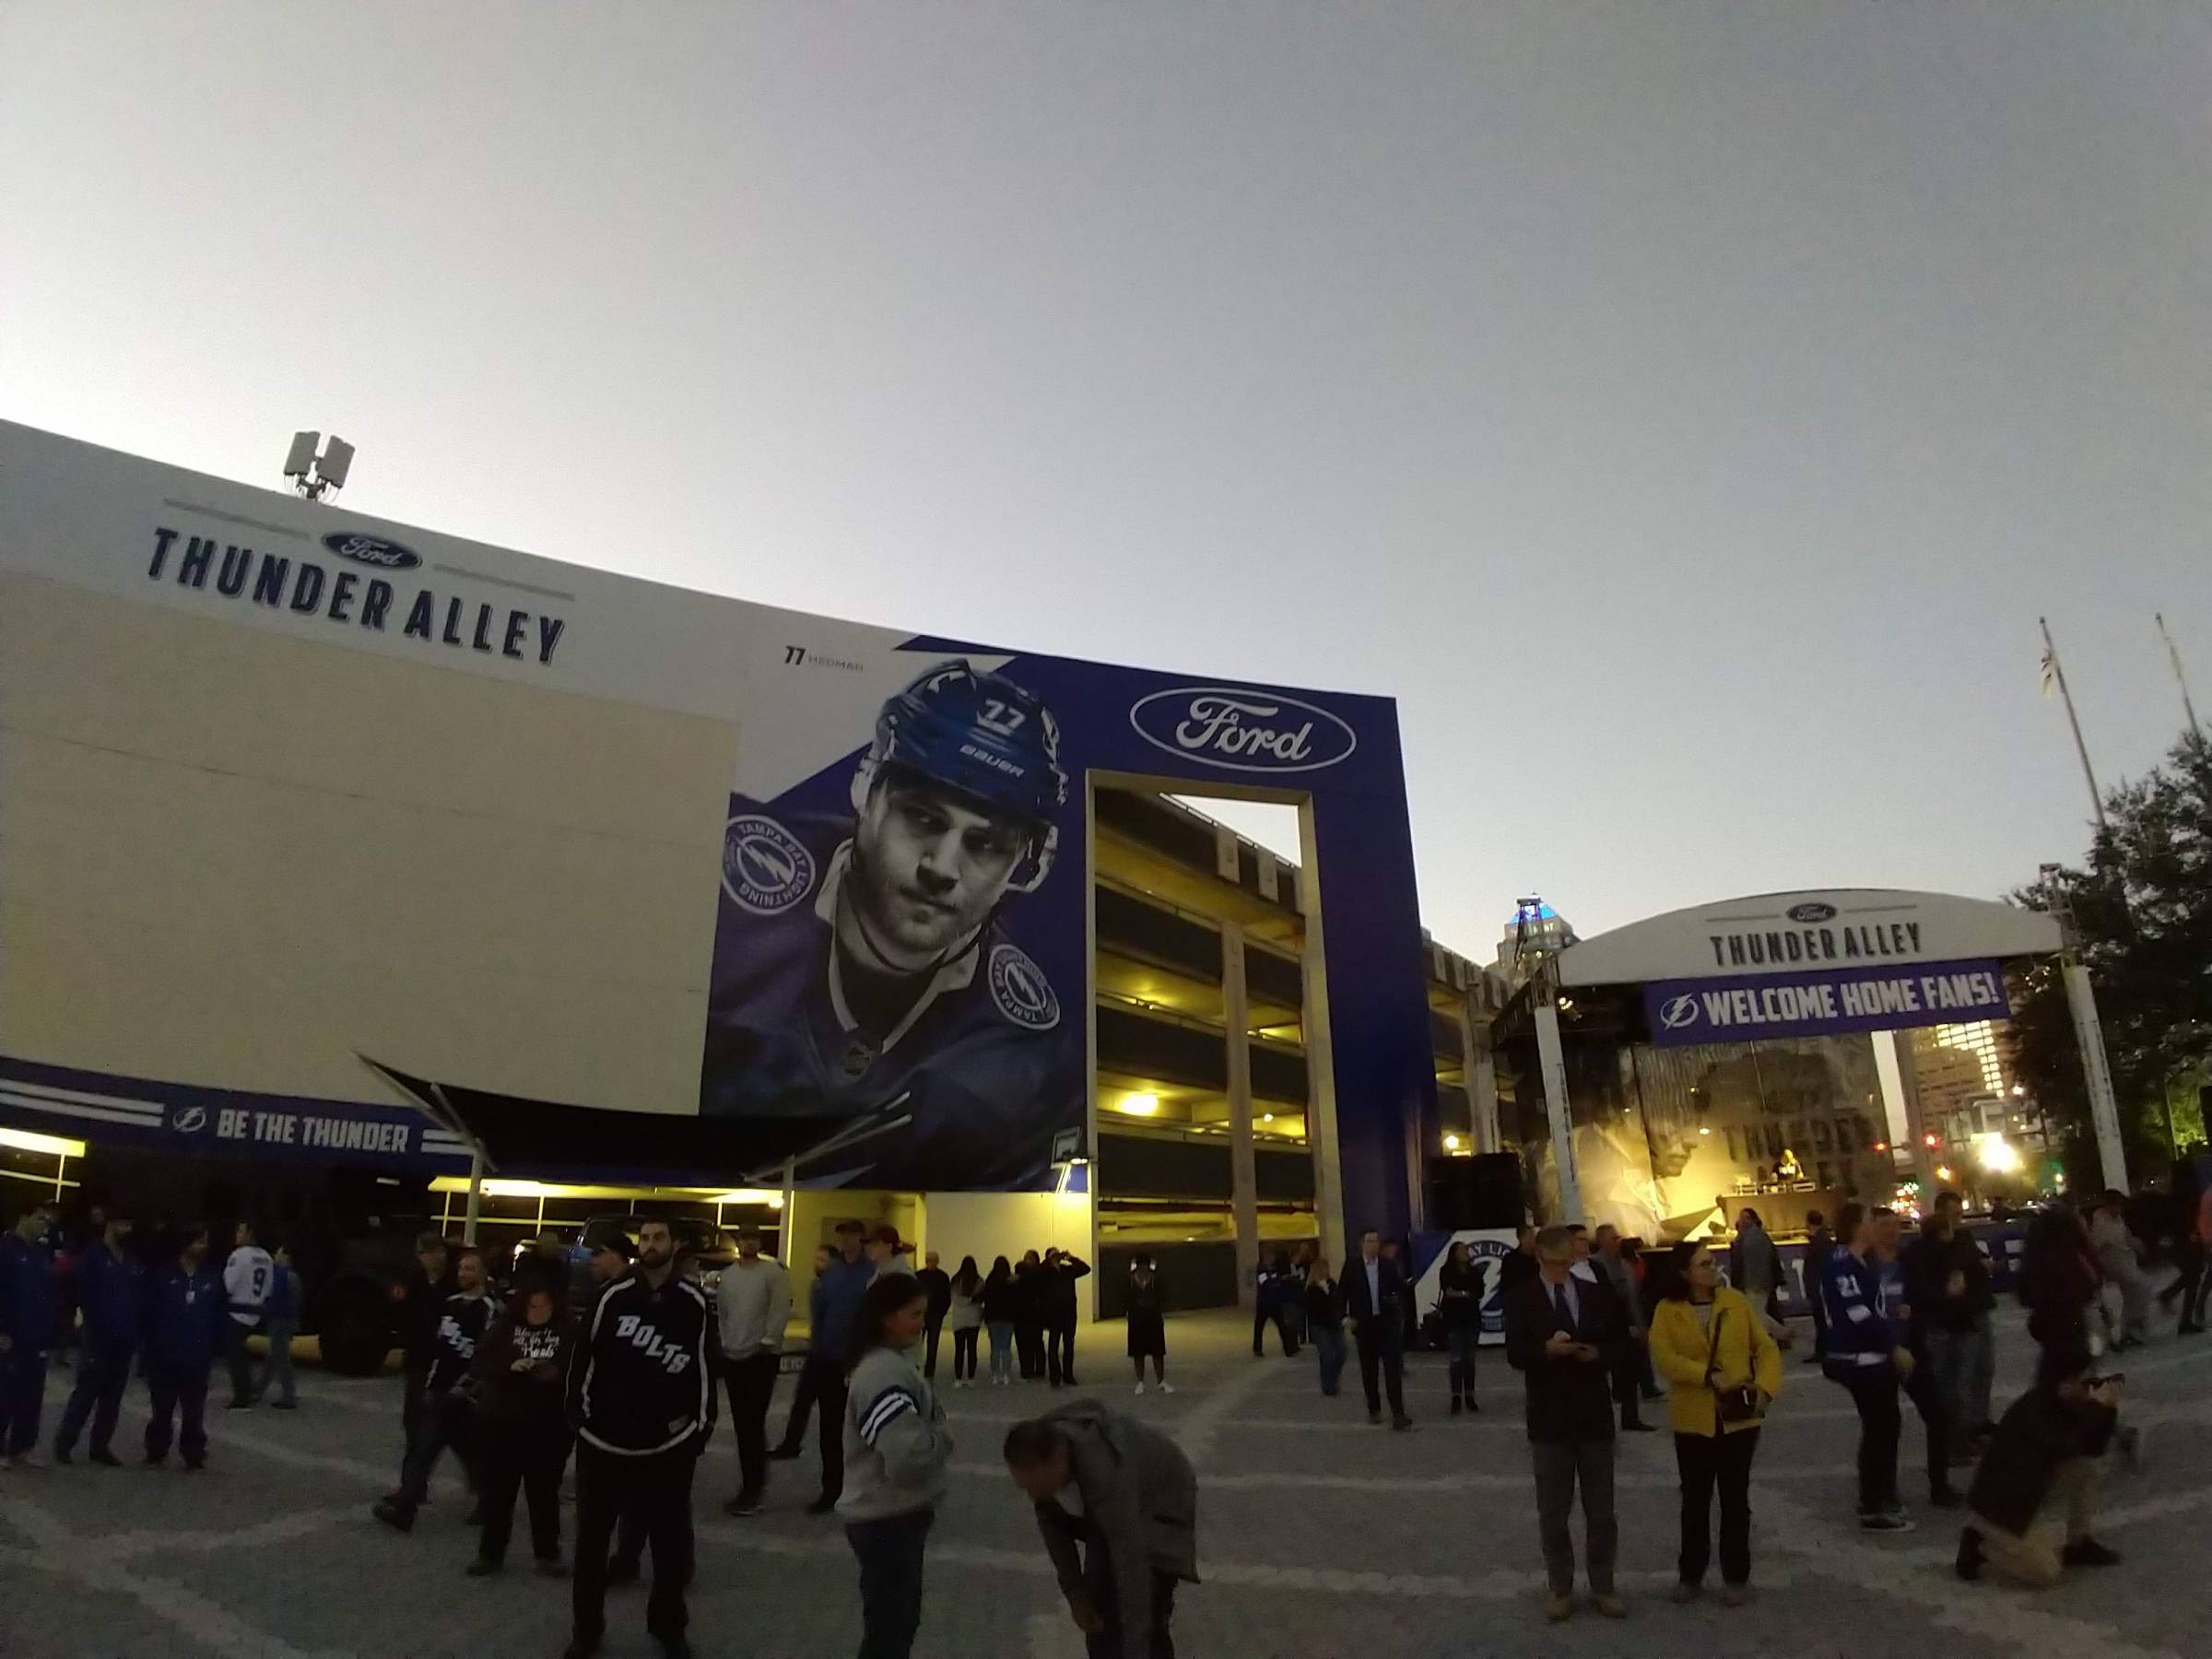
1731 1405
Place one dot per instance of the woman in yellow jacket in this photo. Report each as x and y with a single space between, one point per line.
1709 1342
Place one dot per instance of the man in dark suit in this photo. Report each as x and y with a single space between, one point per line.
1371 1288
1565 1334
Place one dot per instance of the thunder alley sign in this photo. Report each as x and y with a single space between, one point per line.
1824 1004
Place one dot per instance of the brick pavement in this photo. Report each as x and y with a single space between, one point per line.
1320 1539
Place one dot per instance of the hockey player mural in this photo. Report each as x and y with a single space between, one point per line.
866 969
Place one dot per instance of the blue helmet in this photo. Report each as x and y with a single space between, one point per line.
982 736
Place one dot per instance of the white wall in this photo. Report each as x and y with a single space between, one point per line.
241 859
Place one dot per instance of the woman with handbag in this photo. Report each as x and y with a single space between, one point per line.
1723 1370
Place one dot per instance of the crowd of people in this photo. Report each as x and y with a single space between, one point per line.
622 1362
167 1312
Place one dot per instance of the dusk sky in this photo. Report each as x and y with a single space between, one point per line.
1684 410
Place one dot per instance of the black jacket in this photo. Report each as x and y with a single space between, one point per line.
530 1398
1516 1266
460 1326
1324 1302
1568 1400
1929 1262
1058 1299
1002 1300
1459 1295
641 1378
1351 1285
938 1284
2036 1433
415 1318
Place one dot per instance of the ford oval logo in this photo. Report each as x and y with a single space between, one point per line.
372 550
1243 731
1812 912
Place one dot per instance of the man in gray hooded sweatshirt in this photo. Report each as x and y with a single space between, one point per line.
1117 1502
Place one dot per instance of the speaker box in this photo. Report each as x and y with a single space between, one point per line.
1480 1192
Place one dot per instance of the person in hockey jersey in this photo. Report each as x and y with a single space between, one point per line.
863 978
641 1398
448 1411
246 1283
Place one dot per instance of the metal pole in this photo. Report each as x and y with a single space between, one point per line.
1554 1065
2104 1114
2180 679
2081 749
475 1192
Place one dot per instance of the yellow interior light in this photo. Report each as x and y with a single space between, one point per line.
1139 1105
54 1146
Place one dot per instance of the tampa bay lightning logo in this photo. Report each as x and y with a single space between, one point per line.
1678 1011
1020 990
765 868
189 1120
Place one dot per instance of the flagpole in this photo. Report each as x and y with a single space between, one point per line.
2081 749
2180 679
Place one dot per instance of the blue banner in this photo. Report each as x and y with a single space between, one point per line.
1745 1008
102 1106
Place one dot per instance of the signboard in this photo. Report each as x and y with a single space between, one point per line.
291 788
1782 934
59 1101
1822 1004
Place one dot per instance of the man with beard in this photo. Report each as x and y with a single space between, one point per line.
862 977
641 1402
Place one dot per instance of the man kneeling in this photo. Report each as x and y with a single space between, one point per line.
1117 1502
2045 1446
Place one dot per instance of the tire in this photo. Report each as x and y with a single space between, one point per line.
354 1329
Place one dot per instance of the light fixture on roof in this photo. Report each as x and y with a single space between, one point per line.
314 476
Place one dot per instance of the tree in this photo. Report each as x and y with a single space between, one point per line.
2142 909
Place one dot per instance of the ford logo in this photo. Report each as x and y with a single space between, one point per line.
372 550
1242 731
1812 912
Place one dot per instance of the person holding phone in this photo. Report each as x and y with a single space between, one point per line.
1564 1335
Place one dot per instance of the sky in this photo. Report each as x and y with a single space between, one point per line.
1683 411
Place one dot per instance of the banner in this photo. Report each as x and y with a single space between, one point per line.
1822 1004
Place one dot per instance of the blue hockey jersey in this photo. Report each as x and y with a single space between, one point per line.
1860 1334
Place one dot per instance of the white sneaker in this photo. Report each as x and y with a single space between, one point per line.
1140 1388
1167 1388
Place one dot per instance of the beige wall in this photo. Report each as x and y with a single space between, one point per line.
987 1224
231 857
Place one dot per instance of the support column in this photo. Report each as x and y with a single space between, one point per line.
1916 1120
475 1192
2104 1111
1554 1065
1244 1171
1482 1078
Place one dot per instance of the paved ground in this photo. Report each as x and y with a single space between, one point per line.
1318 1535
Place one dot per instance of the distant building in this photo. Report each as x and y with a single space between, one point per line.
1534 933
